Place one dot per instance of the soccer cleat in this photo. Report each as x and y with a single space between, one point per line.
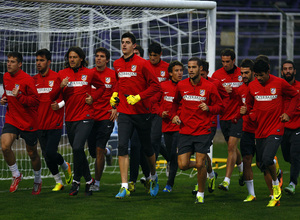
109 157
58 187
279 177
273 203
241 179
212 183
224 186
88 191
147 186
168 188
154 187
74 189
68 175
194 192
290 189
143 180
250 198
199 200
95 188
276 192
15 183
37 187
131 186
123 193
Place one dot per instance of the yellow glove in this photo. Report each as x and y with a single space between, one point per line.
114 100
133 99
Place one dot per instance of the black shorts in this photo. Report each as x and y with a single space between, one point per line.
247 144
30 137
100 135
189 143
230 129
266 149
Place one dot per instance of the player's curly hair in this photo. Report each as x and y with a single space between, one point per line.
80 53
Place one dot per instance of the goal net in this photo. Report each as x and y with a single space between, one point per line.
183 28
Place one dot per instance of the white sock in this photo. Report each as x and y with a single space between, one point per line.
250 187
211 175
293 184
14 170
64 166
275 183
200 194
227 180
37 176
240 167
97 183
89 182
107 151
153 177
125 185
58 179
274 161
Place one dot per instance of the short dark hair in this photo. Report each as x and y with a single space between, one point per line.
199 61
129 35
154 48
288 61
17 55
44 52
140 49
261 66
247 63
205 65
263 57
103 50
172 64
80 53
228 52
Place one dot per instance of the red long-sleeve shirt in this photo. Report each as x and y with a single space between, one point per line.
135 76
74 93
21 110
161 70
48 118
235 80
102 105
266 102
294 122
194 121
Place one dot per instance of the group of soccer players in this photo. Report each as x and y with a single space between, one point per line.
149 98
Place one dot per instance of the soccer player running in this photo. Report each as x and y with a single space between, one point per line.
247 143
104 116
291 137
136 83
230 77
22 101
265 100
50 117
169 129
74 83
199 98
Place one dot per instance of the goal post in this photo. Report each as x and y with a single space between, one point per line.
183 28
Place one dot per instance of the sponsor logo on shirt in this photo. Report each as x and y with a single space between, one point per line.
51 83
161 79
107 79
126 74
133 68
168 98
9 93
83 77
202 92
194 98
233 84
273 91
108 86
162 73
77 84
265 97
43 90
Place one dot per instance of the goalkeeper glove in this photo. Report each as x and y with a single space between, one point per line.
114 100
133 99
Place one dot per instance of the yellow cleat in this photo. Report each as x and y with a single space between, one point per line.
250 198
58 187
131 186
276 192
199 200
273 203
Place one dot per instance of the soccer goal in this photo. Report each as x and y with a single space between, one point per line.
183 28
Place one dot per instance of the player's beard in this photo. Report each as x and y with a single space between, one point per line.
289 78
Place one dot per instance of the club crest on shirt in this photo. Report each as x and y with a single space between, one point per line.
133 68
202 92
273 91
17 86
51 83
107 79
162 73
83 77
240 78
